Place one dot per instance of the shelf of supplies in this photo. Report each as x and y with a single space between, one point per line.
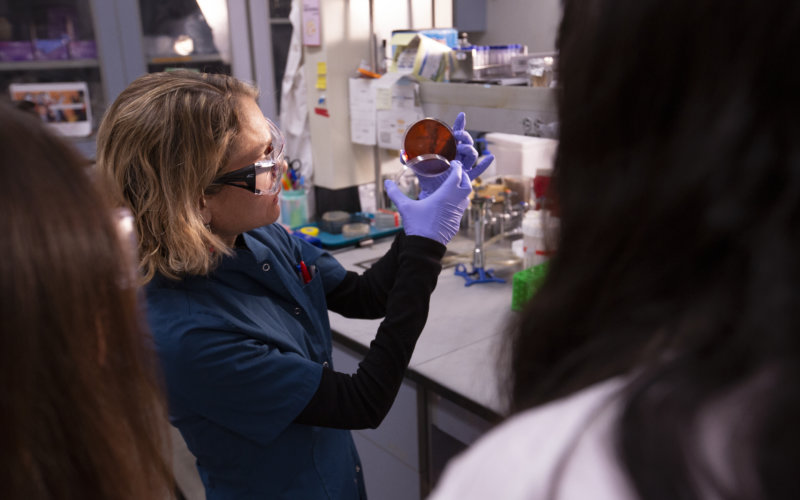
201 58
48 65
490 108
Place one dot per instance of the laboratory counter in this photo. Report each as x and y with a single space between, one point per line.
451 393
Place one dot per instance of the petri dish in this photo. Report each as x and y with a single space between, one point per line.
333 221
355 229
428 147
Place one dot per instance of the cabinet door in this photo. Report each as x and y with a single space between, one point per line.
281 36
248 39
192 34
49 64
390 453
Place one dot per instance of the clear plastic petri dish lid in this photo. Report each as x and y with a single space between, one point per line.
429 165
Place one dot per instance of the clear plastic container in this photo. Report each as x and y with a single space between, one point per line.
294 209
333 221
355 229
385 219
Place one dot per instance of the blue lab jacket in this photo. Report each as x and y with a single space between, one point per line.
242 351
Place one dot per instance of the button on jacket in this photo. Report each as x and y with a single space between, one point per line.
242 351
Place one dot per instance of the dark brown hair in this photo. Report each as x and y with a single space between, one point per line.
82 414
678 259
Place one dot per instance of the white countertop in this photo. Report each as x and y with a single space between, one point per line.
458 349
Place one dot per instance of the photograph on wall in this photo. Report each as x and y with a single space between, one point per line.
63 106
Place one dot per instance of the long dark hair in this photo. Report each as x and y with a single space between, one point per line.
678 261
81 412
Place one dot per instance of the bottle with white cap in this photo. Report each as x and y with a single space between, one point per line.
533 237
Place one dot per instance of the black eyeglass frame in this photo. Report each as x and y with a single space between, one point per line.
247 175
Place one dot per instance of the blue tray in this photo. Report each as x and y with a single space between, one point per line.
332 241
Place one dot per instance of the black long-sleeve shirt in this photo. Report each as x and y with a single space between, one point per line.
397 287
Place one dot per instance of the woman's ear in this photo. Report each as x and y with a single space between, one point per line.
205 211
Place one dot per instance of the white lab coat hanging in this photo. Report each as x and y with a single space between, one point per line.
294 107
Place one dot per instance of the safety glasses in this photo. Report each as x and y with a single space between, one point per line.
263 176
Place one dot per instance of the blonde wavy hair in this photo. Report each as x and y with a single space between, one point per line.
159 147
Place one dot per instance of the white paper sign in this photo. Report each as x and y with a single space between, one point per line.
395 90
311 23
392 125
63 106
362 111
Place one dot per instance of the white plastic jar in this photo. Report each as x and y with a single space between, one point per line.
533 238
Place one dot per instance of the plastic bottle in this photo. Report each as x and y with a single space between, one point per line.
541 183
533 240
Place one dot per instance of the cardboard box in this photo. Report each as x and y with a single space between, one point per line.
82 49
51 49
424 58
16 50
401 38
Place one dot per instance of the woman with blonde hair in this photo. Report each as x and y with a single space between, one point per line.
82 414
239 307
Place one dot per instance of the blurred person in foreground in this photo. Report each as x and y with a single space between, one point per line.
661 357
239 306
82 413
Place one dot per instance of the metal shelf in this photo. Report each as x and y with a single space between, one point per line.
202 58
491 108
49 65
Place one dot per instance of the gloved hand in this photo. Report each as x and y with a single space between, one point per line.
465 154
438 216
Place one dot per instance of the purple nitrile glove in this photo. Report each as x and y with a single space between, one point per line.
438 216
465 154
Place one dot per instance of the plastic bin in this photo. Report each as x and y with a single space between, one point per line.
520 154
525 283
